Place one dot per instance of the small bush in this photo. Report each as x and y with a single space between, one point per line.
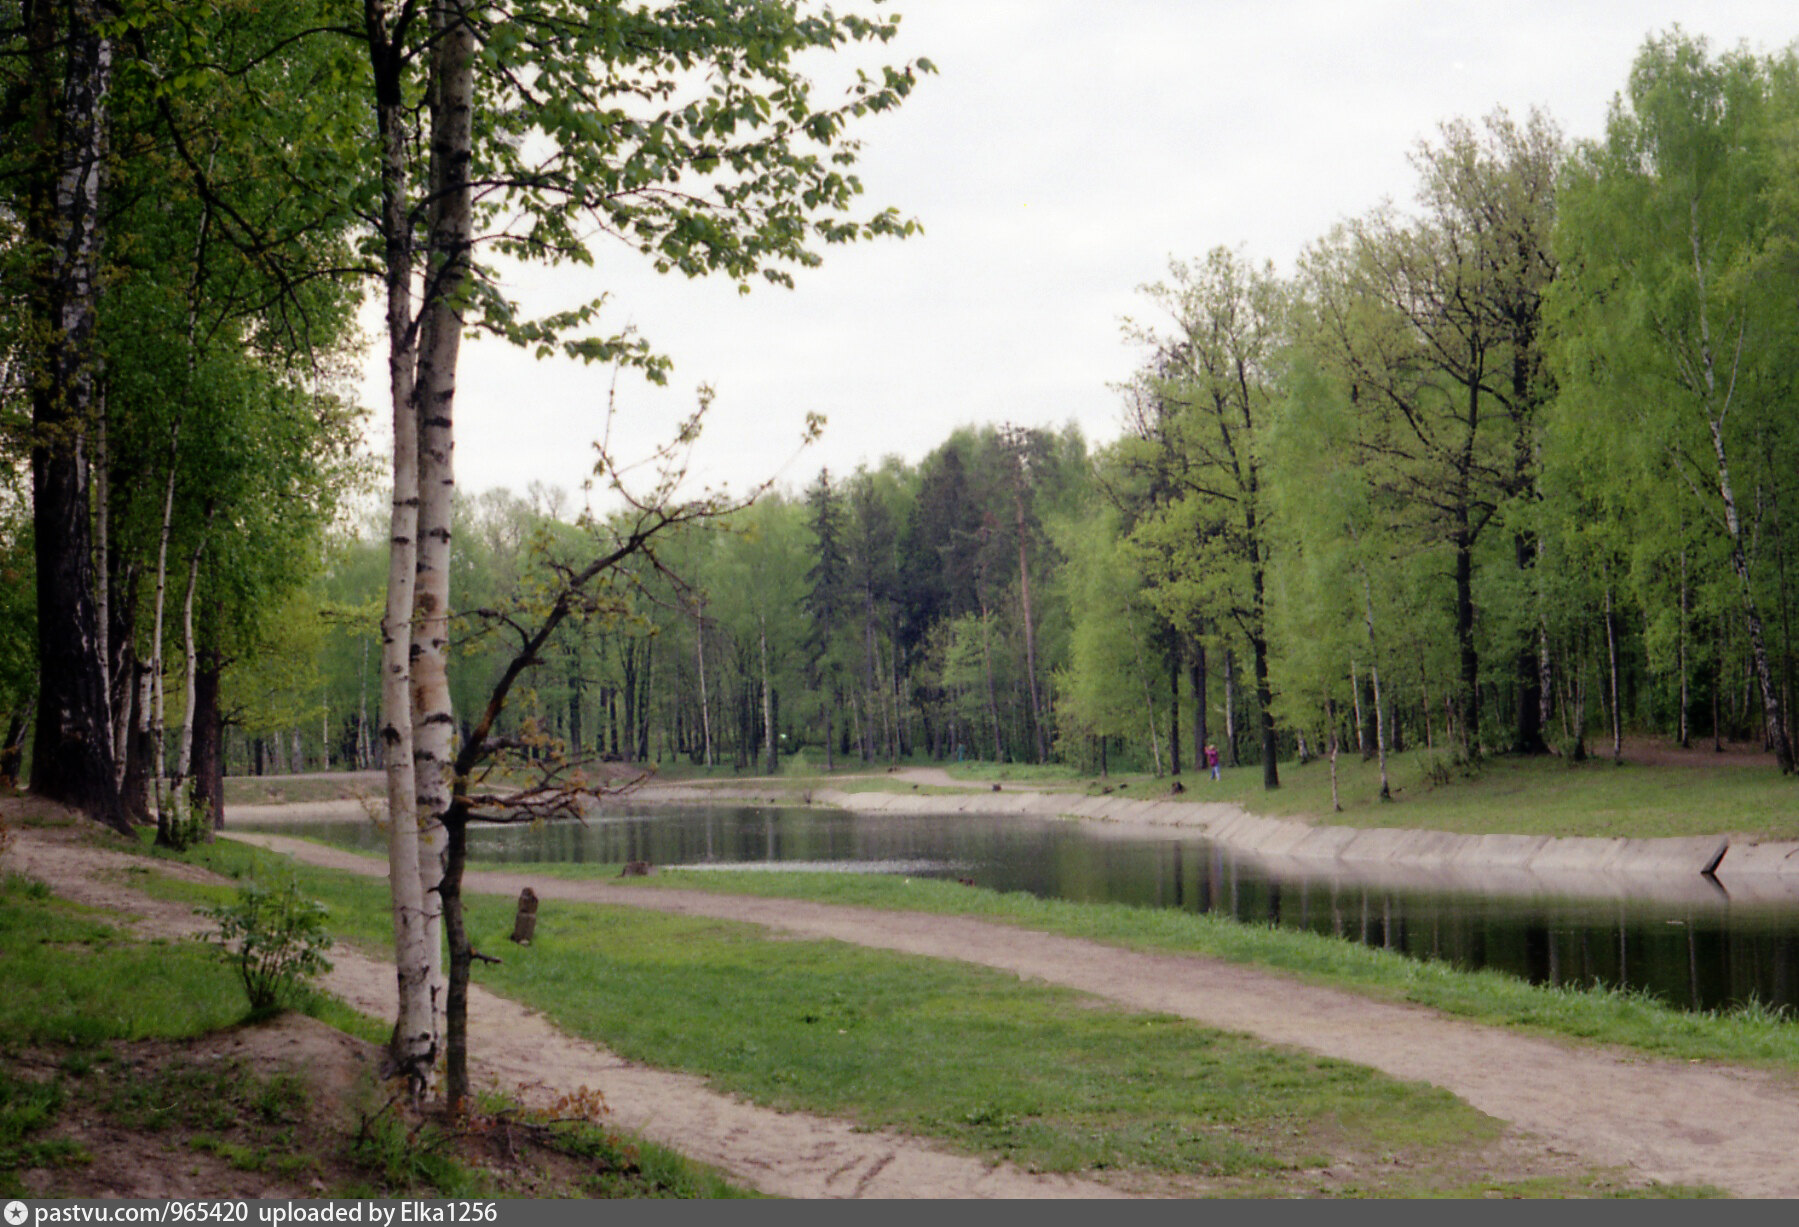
180 834
276 940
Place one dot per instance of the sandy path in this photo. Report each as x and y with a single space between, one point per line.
790 1154
1665 1120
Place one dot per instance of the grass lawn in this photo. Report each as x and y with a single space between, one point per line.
1047 1078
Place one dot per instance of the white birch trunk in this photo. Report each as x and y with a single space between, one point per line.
1331 715
771 752
699 647
1380 721
440 343
103 576
157 764
184 740
414 1048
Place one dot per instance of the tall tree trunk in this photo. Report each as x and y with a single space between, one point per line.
1752 623
1715 409
1024 600
1330 711
999 753
135 789
1174 703
643 702
1149 702
1197 679
451 230
121 673
414 1047
1230 708
1545 676
699 648
1380 731
209 735
456 1079
768 711
1528 734
184 741
1271 776
158 726
1685 610
67 80
628 742
102 486
870 685
1380 724
1611 655
1469 694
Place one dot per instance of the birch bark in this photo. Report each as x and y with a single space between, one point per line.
440 342
413 1049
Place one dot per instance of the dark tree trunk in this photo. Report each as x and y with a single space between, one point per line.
1174 704
574 717
1196 670
69 74
1528 736
139 747
456 1083
12 749
209 739
1469 715
629 744
1271 776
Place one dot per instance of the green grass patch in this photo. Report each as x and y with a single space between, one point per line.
1045 1077
1752 1035
71 979
1523 796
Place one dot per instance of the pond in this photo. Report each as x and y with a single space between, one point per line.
1693 946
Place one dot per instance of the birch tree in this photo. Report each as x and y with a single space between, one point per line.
1674 312
687 131
1216 369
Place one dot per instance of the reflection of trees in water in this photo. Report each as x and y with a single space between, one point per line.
1690 957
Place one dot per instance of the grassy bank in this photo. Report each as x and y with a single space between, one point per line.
1695 794
1041 1076
1679 793
124 1061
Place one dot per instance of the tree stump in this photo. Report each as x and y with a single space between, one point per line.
525 924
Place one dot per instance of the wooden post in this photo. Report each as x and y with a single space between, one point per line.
524 926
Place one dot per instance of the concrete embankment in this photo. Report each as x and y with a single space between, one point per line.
1709 867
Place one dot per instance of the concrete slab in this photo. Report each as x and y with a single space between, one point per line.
1748 857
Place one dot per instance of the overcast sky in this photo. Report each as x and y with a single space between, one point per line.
1065 150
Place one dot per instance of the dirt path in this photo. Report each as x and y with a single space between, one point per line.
1671 1121
789 1154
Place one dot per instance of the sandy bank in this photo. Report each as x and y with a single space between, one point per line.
1709 868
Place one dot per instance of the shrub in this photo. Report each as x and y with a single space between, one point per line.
276 939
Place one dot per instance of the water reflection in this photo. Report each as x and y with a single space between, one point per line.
1698 949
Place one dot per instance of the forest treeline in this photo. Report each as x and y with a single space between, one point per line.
1504 470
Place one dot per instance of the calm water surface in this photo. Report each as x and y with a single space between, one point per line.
1698 954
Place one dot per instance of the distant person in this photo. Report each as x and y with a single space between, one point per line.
1212 759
